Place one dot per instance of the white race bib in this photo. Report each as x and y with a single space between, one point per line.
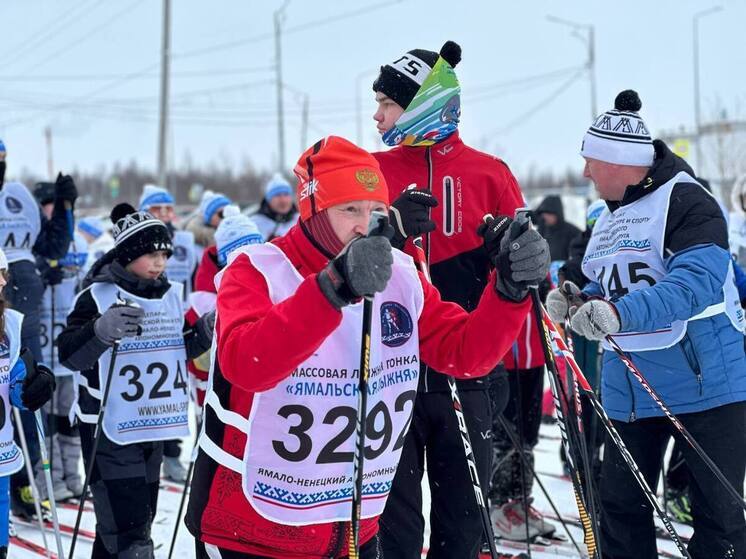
11 459
20 222
625 253
183 261
148 399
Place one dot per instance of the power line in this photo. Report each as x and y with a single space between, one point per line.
97 77
40 36
264 36
539 106
87 35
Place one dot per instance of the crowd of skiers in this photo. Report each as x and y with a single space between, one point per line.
421 258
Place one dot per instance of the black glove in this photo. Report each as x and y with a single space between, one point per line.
64 188
52 275
205 326
39 383
363 268
117 322
410 217
523 261
492 230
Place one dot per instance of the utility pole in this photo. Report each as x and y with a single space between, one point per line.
279 17
304 124
697 112
165 65
50 161
590 40
359 103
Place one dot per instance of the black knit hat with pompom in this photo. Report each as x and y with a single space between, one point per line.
400 80
137 233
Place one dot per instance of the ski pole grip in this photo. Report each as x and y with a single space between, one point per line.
378 226
523 218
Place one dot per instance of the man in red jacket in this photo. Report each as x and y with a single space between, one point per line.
418 99
273 477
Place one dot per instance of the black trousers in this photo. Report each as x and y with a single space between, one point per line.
526 392
627 520
455 519
124 484
371 550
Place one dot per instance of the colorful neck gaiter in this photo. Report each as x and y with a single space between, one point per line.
434 112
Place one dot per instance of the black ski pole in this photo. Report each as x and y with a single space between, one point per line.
504 424
570 436
183 497
377 222
94 448
614 435
691 441
471 463
518 399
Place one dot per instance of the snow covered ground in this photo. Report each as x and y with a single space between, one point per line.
547 461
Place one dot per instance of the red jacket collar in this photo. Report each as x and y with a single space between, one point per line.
301 252
449 148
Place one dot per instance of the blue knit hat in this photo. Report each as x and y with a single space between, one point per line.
91 225
2 148
236 230
211 203
153 195
277 186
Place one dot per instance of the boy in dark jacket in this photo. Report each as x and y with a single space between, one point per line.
128 323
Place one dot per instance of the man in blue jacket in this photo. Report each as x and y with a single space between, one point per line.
662 285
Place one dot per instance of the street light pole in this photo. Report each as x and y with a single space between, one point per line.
697 111
590 41
279 16
165 71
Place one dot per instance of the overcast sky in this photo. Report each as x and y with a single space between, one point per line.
223 97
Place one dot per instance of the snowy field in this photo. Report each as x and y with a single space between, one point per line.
547 463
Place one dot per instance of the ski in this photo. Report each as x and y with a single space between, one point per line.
28 545
65 529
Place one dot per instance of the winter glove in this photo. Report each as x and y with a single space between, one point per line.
596 319
38 385
492 231
205 326
364 267
52 275
118 322
410 215
65 188
523 261
564 301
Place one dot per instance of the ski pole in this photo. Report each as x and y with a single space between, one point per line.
512 436
48 479
190 469
676 423
376 222
32 480
471 463
519 448
52 407
614 434
94 448
562 405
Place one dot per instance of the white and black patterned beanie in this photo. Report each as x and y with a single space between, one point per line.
620 136
137 233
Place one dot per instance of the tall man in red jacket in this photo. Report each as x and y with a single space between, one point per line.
418 99
273 477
